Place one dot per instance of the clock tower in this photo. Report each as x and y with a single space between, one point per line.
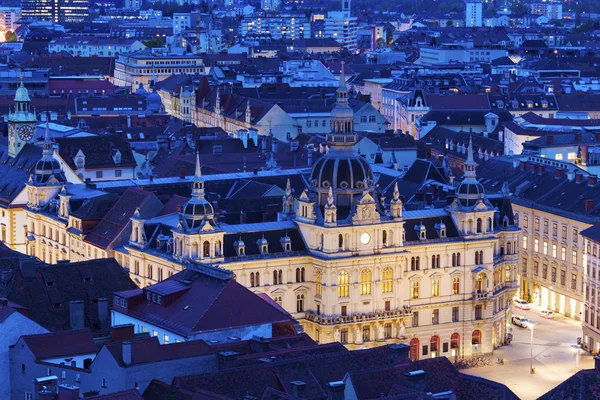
21 122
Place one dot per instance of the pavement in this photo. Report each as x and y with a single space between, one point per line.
553 357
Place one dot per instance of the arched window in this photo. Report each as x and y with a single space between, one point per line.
341 241
218 248
297 274
476 337
343 284
435 288
206 249
414 349
302 276
414 264
435 261
479 283
434 346
490 226
275 280
479 225
384 237
458 259
481 256
365 281
257 278
509 248
252 281
455 343
300 303
387 280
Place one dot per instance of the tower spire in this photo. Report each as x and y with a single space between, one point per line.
343 78
47 146
470 164
198 172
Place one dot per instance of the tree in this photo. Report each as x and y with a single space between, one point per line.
152 43
449 23
10 36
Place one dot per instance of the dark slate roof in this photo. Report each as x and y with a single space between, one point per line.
593 232
582 385
129 394
438 137
272 236
578 102
457 102
149 350
543 191
421 171
98 151
412 235
51 345
48 293
118 218
96 208
14 172
460 117
213 304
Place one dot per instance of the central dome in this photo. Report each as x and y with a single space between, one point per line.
47 168
341 170
468 193
22 94
196 211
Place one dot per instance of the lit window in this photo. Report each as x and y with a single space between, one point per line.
365 281
414 289
435 288
343 284
559 156
387 280
455 285
525 242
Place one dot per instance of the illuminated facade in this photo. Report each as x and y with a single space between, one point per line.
58 11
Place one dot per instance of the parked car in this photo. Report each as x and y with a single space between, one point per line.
519 320
547 313
522 304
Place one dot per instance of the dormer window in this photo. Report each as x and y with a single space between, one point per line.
421 231
286 243
240 248
117 157
441 229
263 245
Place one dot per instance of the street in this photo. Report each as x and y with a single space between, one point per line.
554 358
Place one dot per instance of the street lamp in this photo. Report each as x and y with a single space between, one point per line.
531 325
576 352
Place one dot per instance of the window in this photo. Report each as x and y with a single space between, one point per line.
300 303
387 330
28 396
537 224
573 281
525 242
563 253
343 284
318 282
414 289
553 274
476 337
574 257
525 221
254 279
536 245
308 123
387 278
455 315
555 229
415 264
344 335
455 285
166 339
278 300
98 174
545 271
277 277
344 310
363 119
554 250
415 318
117 173
435 261
563 277
435 317
365 281
340 241
366 333
435 288
546 226
564 232
479 311
300 274
536 266
372 119
456 259
388 305
104 382
545 248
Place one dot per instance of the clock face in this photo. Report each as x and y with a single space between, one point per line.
365 238
26 133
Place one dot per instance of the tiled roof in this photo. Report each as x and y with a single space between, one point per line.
48 293
67 343
583 385
129 394
149 350
98 151
117 220
578 102
457 101
208 304
16 171
6 312
593 232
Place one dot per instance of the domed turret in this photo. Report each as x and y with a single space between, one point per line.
198 209
22 94
47 167
469 191
141 91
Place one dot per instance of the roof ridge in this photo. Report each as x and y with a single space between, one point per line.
212 303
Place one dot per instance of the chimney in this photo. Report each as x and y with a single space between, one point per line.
298 388
550 139
28 267
578 137
262 345
429 198
559 173
103 311
589 205
310 156
68 392
181 173
592 180
126 350
242 217
578 177
76 314
523 165
542 169
570 175
533 167
45 394
227 359
119 333
416 380
399 353
3 301
335 390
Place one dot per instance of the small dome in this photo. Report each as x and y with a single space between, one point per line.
22 94
46 169
468 193
195 212
347 171
342 112
153 102
141 91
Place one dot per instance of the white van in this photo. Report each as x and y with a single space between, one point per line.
522 304
547 313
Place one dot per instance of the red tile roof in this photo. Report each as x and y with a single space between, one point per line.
172 204
129 394
458 101
49 345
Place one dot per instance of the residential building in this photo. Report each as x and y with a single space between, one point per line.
270 5
302 260
282 26
90 46
374 87
55 11
341 26
433 55
551 10
9 17
133 5
551 248
473 13
591 265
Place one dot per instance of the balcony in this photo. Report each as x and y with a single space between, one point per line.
482 296
356 318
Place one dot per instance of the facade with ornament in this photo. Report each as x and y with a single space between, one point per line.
351 264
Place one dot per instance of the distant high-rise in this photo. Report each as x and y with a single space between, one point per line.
55 10
270 5
342 26
133 4
474 13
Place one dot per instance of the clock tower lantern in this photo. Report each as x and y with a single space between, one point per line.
21 122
